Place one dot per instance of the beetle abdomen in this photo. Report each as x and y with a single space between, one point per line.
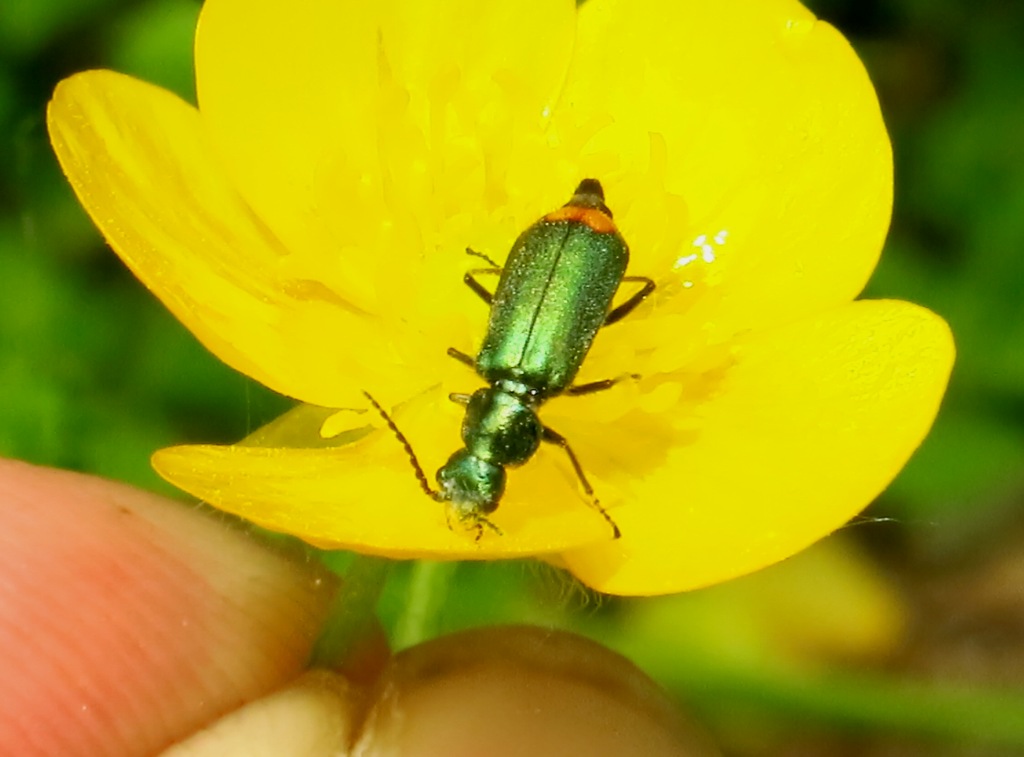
553 295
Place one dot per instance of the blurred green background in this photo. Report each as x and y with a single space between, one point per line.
95 375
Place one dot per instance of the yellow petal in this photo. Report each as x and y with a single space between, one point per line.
375 133
762 127
364 495
807 425
141 166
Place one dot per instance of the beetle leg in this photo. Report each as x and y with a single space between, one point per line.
479 521
597 386
470 278
462 357
627 307
482 256
479 289
553 437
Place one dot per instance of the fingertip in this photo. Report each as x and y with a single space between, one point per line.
521 690
130 619
312 717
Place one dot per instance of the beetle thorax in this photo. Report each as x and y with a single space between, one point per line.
501 427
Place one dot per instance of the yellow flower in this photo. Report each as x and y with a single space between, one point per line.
308 223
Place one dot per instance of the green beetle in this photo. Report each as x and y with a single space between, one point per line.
554 293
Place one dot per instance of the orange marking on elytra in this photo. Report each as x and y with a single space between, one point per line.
591 217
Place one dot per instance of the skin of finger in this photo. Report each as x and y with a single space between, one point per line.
128 621
522 690
312 717
495 691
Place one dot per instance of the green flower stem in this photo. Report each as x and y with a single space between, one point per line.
428 589
860 702
352 610
355 604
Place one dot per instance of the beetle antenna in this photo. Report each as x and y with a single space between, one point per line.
420 475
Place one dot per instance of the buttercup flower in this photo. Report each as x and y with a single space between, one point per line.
309 221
